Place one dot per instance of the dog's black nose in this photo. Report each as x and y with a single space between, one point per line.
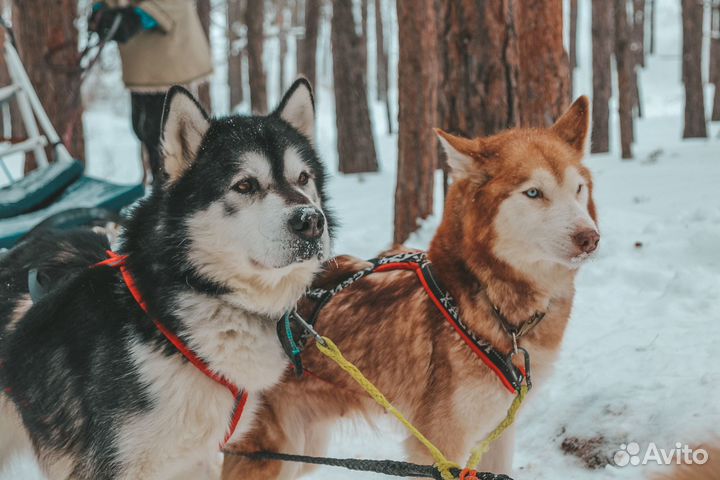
307 223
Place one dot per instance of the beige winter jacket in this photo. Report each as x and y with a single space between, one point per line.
176 52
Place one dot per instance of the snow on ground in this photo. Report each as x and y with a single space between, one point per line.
636 364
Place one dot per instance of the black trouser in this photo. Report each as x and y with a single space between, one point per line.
147 110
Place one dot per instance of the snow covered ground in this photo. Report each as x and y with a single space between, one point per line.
637 361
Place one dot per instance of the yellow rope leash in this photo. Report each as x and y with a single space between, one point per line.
482 447
331 350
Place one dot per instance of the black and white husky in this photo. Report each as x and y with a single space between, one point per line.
220 250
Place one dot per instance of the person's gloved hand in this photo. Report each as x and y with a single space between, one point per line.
103 18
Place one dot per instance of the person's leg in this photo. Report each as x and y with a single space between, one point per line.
147 110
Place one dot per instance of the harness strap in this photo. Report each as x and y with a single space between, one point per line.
239 396
512 377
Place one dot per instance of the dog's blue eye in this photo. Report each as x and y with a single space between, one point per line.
533 193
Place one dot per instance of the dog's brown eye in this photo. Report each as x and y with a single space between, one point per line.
304 178
579 188
246 186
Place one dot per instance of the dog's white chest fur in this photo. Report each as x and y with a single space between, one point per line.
191 413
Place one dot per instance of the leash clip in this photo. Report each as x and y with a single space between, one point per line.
526 359
309 329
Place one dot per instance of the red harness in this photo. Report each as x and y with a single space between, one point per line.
239 396
512 377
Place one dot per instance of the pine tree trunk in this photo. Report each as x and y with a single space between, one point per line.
624 62
235 55
572 50
543 62
479 48
356 147
203 8
715 59
637 46
282 40
418 85
602 47
43 26
307 50
382 81
363 31
692 13
653 19
638 43
254 19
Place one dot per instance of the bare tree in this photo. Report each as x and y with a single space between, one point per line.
638 33
364 30
543 62
254 19
479 49
356 146
307 50
624 66
602 48
282 40
653 19
572 49
203 8
418 84
692 15
637 47
235 12
715 58
48 39
382 80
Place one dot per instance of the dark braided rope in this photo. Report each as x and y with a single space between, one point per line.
385 467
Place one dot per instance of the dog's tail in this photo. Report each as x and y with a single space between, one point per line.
50 259
708 470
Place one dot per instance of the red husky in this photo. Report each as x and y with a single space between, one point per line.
519 220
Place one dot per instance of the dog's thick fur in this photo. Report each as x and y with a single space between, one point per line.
495 245
223 246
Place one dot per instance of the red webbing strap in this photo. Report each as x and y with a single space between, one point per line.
418 271
239 396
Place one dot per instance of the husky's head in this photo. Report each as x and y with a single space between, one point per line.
524 194
246 192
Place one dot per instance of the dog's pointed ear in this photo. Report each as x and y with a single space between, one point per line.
574 125
184 125
298 107
459 153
